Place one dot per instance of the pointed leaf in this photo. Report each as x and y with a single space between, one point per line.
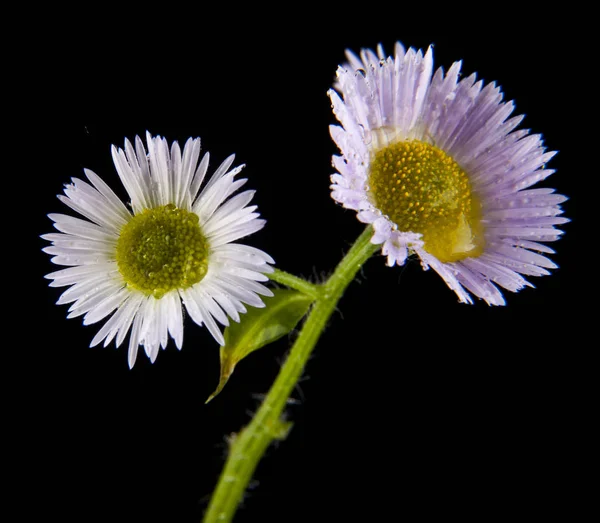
259 327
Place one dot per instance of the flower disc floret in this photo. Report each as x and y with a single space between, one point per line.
162 249
422 189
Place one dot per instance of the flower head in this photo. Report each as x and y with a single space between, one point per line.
435 164
173 245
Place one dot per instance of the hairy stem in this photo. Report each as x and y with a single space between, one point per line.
247 448
289 280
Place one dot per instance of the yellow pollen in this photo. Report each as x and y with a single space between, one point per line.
436 201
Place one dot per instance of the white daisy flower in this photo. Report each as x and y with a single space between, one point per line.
175 246
435 164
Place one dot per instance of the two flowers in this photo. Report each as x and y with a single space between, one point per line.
434 164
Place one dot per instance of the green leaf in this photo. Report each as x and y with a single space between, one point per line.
259 327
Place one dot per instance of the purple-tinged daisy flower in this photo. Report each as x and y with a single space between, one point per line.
437 166
173 245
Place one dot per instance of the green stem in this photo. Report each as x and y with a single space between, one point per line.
289 280
247 448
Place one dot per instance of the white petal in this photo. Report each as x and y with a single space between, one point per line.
227 212
175 318
90 203
215 226
146 177
76 242
177 175
134 339
105 307
190 305
221 295
162 316
252 285
82 259
191 153
148 329
199 176
224 301
131 310
210 322
239 291
81 273
130 178
159 168
93 299
197 309
214 195
137 160
119 322
238 270
246 253
84 286
109 194
82 228
66 248
237 232
210 305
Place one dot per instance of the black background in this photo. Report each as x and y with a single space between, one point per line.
411 404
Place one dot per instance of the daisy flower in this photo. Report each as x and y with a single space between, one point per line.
173 244
438 168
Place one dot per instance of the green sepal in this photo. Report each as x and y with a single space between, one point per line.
259 327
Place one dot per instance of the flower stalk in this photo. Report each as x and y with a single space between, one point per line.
247 447
293 282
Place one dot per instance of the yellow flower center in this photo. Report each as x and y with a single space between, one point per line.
421 189
162 249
